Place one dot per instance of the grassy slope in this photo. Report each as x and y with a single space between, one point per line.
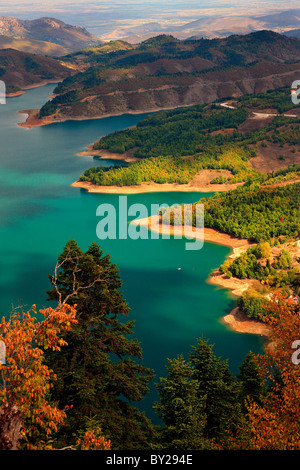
32 46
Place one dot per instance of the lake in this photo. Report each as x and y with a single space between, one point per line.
40 211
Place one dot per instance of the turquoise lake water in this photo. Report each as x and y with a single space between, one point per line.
40 212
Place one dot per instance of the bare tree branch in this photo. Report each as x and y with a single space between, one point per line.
75 286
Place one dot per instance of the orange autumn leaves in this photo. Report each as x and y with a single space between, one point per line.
274 423
93 440
25 379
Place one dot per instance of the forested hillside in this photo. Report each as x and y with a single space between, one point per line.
164 72
253 159
20 69
179 132
175 145
256 213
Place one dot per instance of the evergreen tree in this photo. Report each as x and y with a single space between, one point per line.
251 380
99 373
218 387
180 409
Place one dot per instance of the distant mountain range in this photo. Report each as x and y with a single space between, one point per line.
54 37
44 35
293 33
164 72
211 26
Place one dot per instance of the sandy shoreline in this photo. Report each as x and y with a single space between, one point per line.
15 94
42 83
235 319
33 119
209 234
151 187
239 322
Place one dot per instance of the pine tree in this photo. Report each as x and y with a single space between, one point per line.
251 380
180 409
218 387
99 373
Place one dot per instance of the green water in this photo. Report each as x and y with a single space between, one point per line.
40 212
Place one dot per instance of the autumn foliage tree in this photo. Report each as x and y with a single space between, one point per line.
93 440
27 418
274 423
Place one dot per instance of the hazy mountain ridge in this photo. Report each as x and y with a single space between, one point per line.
211 26
164 72
293 33
48 30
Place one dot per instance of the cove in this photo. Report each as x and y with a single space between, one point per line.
40 212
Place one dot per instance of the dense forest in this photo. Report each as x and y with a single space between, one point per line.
258 263
174 169
193 129
208 137
256 213
175 145
83 376
279 100
179 132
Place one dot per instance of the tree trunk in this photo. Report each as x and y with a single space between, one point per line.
10 427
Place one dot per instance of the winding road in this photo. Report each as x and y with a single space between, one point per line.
260 115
